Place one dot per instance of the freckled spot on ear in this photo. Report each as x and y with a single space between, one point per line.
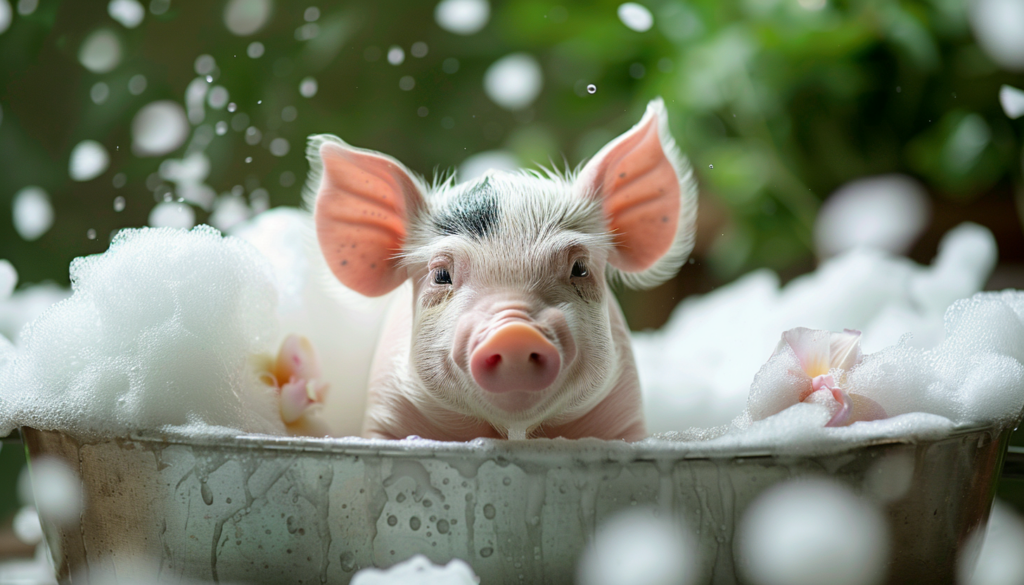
664 219
353 245
373 265
622 175
344 262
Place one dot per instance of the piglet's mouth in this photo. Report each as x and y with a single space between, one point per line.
514 356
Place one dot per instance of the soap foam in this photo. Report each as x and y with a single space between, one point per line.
418 570
697 370
162 329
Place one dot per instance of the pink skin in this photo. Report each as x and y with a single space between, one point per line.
501 334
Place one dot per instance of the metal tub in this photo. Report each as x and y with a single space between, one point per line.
285 510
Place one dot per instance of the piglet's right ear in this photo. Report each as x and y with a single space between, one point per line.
363 206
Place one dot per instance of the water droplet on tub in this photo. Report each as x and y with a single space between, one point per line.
591 89
489 511
400 498
507 481
711 166
442 526
348 562
486 552
206 492
414 523
392 520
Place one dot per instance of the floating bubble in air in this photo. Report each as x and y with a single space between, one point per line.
419 49
119 203
6 15
591 89
513 81
966 143
308 87
812 531
159 128
279 146
1012 100
172 214
32 212
229 210
450 65
221 128
137 84
99 92
638 547
218 97
27 527
481 162
245 17
406 83
55 489
887 212
100 52
195 96
462 17
128 12
635 16
26 7
253 135
396 55
8 279
311 14
255 50
204 64
289 113
998 26
88 160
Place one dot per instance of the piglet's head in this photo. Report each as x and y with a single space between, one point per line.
513 321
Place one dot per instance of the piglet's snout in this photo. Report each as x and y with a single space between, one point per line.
515 357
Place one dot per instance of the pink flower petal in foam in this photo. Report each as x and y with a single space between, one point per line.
844 349
865 409
842 416
812 348
295 399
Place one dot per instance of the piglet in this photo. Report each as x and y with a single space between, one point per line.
509 328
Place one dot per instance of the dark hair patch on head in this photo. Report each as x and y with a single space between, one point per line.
474 212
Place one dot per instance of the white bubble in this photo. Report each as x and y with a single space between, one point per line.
812 531
128 12
1012 100
119 204
172 214
966 143
194 168
253 135
99 92
205 64
120 180
478 164
248 159
396 55
255 50
311 14
997 27
289 113
232 107
26 526
159 128
999 560
406 83
279 147
100 52
591 89
6 15
513 81
88 160
462 17
635 16
159 7
26 7
8 279
137 84
245 17
419 49
90 234
55 489
218 97
308 87
639 548
418 571
229 210
221 128
307 31
887 212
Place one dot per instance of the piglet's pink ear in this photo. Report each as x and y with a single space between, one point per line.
363 206
646 190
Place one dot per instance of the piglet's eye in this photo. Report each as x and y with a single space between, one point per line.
441 276
579 269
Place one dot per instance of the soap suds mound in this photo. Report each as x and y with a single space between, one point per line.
162 329
418 570
697 370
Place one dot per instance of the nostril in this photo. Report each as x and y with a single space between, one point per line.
493 360
536 357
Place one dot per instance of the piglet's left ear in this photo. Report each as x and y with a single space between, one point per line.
649 198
